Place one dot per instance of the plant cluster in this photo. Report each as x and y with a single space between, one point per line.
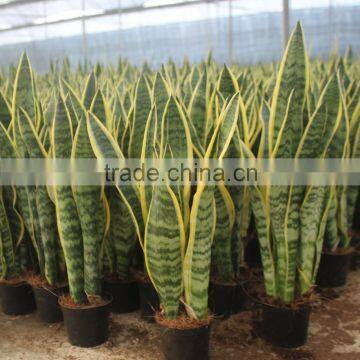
188 233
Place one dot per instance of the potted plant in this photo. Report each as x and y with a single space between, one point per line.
81 219
337 252
177 251
15 294
124 280
354 227
290 220
122 241
353 193
232 207
104 146
133 200
50 283
36 206
179 269
17 297
149 108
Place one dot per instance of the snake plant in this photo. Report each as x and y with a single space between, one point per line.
296 109
31 207
346 145
291 219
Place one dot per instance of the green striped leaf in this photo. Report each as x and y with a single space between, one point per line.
141 112
68 221
5 111
24 92
197 108
98 108
89 207
43 207
164 238
122 234
160 95
221 248
89 91
285 125
175 134
7 253
227 85
105 147
196 268
148 152
260 208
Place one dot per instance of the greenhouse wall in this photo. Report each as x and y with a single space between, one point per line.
255 38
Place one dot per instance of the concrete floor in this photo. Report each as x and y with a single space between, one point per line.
334 333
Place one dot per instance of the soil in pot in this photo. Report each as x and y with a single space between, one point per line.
334 267
86 325
222 299
16 298
184 339
125 294
149 299
285 326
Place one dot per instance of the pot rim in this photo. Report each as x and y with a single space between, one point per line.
107 297
20 283
290 307
347 251
48 288
119 281
205 324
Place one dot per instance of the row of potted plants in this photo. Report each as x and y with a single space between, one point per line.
95 246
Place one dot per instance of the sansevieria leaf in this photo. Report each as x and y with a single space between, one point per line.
286 112
24 92
141 110
105 147
164 238
68 221
89 207
44 206
197 259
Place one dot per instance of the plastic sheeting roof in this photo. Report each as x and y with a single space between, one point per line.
40 20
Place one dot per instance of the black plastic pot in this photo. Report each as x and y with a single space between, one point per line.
285 327
87 327
355 258
222 299
356 219
48 309
125 295
355 261
333 270
149 300
17 299
188 344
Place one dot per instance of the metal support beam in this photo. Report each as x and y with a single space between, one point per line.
45 16
119 32
14 3
83 27
331 26
230 33
285 22
108 12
